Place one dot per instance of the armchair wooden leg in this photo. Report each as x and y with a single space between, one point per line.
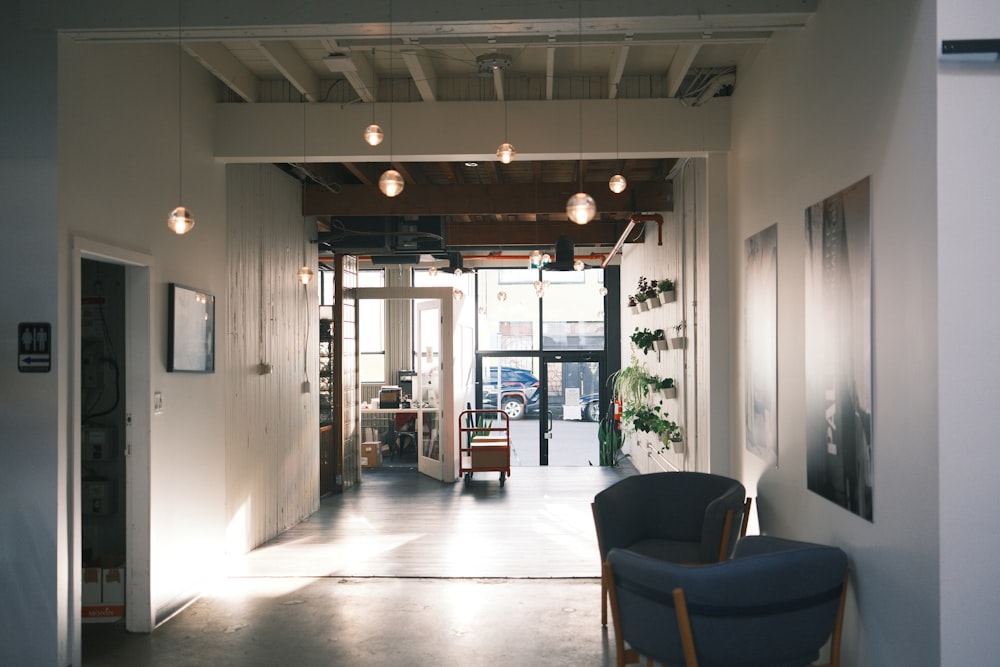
684 627
746 517
604 597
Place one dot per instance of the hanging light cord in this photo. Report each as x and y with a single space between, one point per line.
180 113
392 92
579 67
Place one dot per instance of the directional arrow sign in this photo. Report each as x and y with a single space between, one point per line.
34 347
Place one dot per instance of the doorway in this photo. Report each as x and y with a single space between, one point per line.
109 498
553 400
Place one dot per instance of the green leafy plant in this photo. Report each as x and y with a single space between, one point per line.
665 285
650 419
639 297
644 338
609 437
630 384
656 382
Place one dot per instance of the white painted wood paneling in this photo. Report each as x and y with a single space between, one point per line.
655 261
272 422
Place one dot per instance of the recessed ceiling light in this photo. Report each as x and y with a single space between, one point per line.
471 164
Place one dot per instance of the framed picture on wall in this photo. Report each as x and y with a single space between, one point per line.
838 346
760 344
191 330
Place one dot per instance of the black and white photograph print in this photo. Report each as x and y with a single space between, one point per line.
760 398
838 348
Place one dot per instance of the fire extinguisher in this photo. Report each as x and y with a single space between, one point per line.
618 409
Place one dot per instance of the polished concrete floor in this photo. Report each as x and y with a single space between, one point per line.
404 570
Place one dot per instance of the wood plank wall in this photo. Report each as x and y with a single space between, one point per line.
272 419
670 260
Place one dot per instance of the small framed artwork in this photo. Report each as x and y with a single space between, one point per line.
191 333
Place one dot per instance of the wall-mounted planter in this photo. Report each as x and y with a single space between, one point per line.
653 302
667 297
643 306
676 446
660 344
678 343
634 309
667 392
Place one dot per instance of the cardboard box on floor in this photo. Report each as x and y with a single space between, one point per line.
103 594
371 454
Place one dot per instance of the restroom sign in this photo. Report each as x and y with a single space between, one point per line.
34 347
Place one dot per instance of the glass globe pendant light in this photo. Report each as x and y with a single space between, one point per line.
373 135
181 220
617 184
581 207
390 183
506 152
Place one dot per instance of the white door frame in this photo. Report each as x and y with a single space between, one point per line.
450 403
138 423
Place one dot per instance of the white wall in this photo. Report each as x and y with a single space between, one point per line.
119 179
850 96
272 425
969 328
34 536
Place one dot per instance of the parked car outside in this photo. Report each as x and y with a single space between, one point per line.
591 406
519 392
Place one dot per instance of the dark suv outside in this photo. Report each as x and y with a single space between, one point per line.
519 392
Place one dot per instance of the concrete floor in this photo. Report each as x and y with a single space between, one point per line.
303 622
542 608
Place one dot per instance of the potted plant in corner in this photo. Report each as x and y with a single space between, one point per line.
665 291
609 437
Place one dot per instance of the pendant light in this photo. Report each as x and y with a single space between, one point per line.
305 274
181 220
373 133
617 183
391 181
505 152
581 207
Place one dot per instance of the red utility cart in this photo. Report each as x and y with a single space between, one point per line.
485 443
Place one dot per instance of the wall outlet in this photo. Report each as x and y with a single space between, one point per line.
158 403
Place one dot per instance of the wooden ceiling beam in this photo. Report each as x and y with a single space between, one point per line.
473 199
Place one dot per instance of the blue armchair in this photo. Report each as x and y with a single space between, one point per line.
774 604
682 517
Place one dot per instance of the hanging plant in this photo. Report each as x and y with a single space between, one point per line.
630 384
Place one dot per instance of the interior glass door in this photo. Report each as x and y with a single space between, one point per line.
427 388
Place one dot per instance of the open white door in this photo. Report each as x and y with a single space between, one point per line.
428 388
